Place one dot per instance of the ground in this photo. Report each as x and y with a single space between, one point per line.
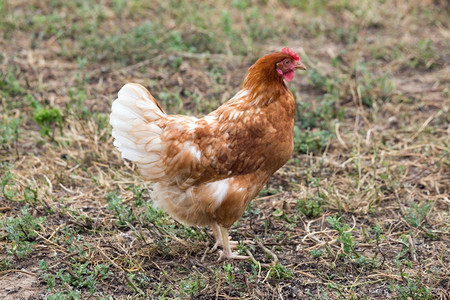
361 211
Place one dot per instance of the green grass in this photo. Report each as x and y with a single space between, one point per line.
21 233
359 212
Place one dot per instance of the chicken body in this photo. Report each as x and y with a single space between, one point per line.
207 170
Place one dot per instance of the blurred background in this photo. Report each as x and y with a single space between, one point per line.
371 148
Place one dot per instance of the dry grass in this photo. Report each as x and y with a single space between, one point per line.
372 149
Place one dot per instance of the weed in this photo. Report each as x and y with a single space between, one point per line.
399 260
49 279
191 286
139 278
123 213
7 184
411 289
66 294
5 264
310 207
278 271
424 55
45 117
328 84
10 86
77 275
315 125
415 215
9 129
139 192
280 214
21 232
316 253
344 232
227 22
311 141
153 215
322 296
76 104
229 273
251 211
308 5
372 88
349 244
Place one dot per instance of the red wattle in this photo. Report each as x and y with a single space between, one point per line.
288 76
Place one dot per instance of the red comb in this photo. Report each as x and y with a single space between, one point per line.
286 50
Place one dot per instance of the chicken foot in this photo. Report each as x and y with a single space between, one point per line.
219 241
227 253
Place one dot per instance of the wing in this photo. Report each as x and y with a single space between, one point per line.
226 143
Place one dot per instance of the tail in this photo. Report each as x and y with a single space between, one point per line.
133 116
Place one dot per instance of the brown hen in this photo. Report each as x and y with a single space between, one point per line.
207 170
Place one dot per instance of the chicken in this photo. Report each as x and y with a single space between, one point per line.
207 170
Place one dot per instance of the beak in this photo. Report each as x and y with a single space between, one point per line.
300 66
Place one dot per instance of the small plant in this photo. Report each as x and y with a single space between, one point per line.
152 214
10 85
411 289
6 186
139 193
280 214
9 130
46 118
316 253
372 87
49 279
171 102
5 264
310 207
66 294
76 275
140 279
306 141
315 125
76 106
399 260
191 286
278 271
345 234
424 55
229 273
22 232
123 213
415 215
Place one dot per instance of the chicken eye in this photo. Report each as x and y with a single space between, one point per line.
286 61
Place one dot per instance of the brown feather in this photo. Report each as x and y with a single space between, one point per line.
211 168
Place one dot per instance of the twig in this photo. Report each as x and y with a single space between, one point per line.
425 124
275 258
254 261
50 242
345 286
338 135
304 273
412 248
16 270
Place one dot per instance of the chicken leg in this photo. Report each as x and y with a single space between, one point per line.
227 253
218 235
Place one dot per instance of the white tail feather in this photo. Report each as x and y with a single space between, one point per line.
135 134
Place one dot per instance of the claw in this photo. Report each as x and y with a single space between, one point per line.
217 244
233 255
214 248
